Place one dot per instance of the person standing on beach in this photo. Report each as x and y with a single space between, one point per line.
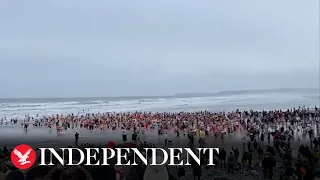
77 138
236 154
124 135
196 168
222 157
230 161
25 126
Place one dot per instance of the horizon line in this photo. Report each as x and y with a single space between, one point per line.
159 96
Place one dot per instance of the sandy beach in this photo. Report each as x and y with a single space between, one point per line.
37 136
12 135
40 136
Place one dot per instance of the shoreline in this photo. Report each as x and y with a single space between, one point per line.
311 109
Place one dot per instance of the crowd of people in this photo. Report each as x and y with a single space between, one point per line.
212 123
270 135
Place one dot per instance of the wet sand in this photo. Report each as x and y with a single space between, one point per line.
43 137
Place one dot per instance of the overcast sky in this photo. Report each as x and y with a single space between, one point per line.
63 48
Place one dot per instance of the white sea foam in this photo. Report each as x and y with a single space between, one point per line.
217 103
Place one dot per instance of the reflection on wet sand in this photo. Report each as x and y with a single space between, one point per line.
41 137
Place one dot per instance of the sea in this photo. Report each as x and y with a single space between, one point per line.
187 102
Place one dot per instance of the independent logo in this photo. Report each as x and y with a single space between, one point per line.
23 156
